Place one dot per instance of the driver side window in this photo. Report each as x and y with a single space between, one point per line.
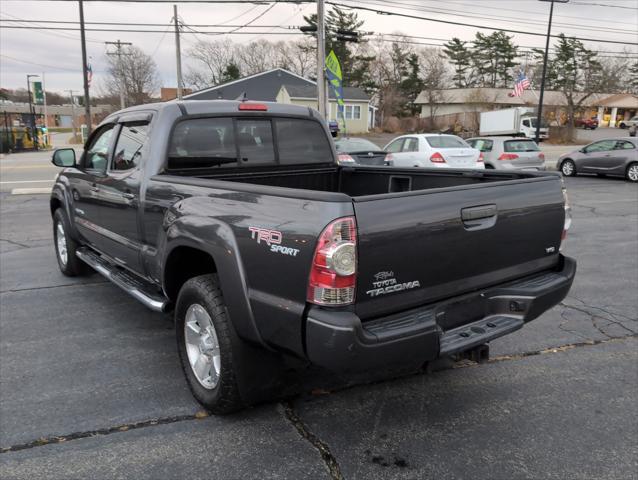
395 147
96 154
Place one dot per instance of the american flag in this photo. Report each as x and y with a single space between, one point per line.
522 82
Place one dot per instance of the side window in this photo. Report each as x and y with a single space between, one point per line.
395 147
411 144
526 123
95 157
254 138
129 144
202 143
602 146
624 145
302 141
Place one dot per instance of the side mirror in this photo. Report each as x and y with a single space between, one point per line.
64 157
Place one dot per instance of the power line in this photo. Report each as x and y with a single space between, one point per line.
450 22
147 31
498 18
604 5
131 24
55 67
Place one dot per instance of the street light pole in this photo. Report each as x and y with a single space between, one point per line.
34 134
539 114
321 60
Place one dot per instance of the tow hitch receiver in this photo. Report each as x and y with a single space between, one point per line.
480 354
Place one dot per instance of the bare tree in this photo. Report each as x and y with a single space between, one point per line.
436 73
136 73
211 59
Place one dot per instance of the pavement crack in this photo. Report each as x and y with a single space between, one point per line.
17 290
17 244
54 439
550 350
326 455
594 316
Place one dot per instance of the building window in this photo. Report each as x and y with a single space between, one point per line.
353 112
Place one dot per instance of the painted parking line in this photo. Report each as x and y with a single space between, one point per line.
31 191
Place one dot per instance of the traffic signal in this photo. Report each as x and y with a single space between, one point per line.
348 36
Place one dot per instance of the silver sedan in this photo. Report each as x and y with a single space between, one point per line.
612 156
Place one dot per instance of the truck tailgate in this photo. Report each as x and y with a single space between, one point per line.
422 246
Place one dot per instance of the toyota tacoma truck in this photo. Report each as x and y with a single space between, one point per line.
236 217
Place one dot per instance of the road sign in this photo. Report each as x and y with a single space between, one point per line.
38 94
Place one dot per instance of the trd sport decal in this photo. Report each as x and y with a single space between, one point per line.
273 239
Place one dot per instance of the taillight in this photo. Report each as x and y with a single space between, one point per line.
345 158
508 156
481 158
389 159
437 158
541 156
334 265
568 214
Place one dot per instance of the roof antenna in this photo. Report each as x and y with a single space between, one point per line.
242 97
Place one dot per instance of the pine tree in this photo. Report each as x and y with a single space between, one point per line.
412 84
230 73
493 58
460 57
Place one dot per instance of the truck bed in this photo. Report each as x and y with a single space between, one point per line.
362 181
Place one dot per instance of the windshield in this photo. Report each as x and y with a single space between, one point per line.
521 146
355 145
446 141
543 123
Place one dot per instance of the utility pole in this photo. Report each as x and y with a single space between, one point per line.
178 54
539 115
87 100
321 60
44 97
119 53
73 114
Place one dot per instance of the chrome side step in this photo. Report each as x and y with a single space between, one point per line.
134 286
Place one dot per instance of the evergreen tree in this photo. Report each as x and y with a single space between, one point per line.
493 58
230 73
412 84
459 56
355 68
575 71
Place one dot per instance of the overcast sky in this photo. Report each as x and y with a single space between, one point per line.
58 54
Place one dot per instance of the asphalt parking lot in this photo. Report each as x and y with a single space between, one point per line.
90 385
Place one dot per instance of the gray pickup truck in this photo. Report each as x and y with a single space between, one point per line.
236 217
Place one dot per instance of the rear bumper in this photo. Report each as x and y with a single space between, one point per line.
339 341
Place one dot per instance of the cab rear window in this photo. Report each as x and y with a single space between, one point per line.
227 142
520 146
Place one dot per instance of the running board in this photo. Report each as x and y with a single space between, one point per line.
136 287
474 334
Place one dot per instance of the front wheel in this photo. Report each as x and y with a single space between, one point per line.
622 125
205 345
632 172
65 247
568 168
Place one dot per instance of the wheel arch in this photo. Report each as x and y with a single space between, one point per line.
188 255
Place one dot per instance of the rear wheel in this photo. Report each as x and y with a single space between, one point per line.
65 247
206 348
489 167
623 125
568 168
632 172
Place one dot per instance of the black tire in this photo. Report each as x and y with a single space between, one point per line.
566 170
224 397
631 174
622 125
489 167
73 266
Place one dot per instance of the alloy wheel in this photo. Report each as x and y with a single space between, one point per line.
202 346
61 244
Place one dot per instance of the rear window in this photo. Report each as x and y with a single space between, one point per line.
355 145
216 142
202 143
520 146
446 141
482 144
302 141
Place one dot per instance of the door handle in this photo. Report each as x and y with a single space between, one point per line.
128 196
480 217
94 188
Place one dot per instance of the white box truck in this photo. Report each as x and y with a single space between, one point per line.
517 121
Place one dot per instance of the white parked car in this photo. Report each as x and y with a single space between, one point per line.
432 150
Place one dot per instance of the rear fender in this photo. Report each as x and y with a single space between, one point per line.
217 240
